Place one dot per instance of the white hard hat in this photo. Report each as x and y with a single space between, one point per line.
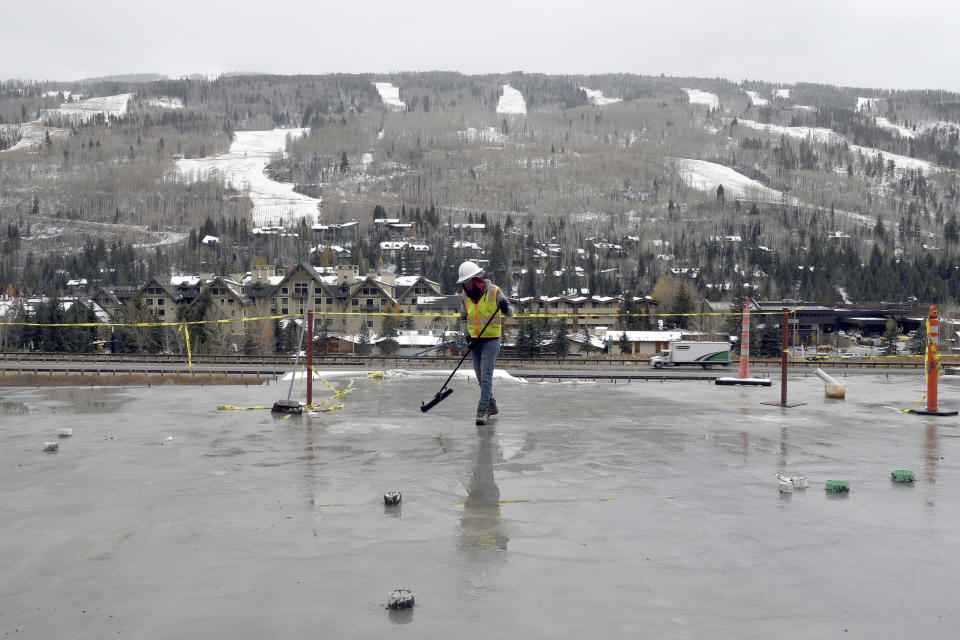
468 270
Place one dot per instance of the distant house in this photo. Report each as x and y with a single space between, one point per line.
642 343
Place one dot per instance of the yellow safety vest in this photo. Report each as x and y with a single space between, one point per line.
478 313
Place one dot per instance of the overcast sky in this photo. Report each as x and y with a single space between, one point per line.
862 43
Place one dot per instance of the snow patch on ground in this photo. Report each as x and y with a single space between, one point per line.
828 136
781 93
498 374
488 135
164 102
390 96
707 176
803 107
511 102
84 110
32 134
696 96
755 99
243 168
904 132
64 95
816 134
901 162
597 97
366 159
868 104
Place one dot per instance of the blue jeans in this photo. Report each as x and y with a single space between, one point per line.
484 358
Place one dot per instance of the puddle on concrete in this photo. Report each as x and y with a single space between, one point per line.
10 408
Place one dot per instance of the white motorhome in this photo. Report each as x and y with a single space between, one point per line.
705 354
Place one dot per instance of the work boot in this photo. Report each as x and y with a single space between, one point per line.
481 417
492 410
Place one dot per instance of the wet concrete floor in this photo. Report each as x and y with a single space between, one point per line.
583 511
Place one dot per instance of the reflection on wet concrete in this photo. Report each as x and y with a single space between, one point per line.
784 449
93 399
13 408
400 616
931 452
481 527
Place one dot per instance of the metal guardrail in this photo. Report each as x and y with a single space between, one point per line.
357 360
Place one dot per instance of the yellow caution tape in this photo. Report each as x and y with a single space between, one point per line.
186 331
225 407
610 314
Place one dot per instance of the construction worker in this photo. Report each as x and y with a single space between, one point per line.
482 301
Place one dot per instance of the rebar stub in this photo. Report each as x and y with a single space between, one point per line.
392 498
400 599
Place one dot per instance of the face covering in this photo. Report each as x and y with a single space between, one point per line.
475 288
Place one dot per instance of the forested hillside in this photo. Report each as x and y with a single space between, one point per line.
811 191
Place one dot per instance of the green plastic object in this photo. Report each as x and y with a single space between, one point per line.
902 475
836 486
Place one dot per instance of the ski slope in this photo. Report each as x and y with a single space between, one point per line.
390 96
904 132
707 176
243 168
511 102
164 102
696 96
755 99
32 134
828 136
597 97
85 110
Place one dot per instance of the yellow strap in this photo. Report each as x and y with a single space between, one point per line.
186 332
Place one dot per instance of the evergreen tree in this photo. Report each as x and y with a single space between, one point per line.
561 340
682 304
528 338
891 336
321 345
364 342
951 231
388 331
528 285
771 340
918 342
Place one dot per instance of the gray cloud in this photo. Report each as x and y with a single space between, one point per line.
852 42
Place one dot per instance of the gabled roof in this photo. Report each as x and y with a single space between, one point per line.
405 284
231 285
170 290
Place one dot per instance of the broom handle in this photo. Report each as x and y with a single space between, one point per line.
464 356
